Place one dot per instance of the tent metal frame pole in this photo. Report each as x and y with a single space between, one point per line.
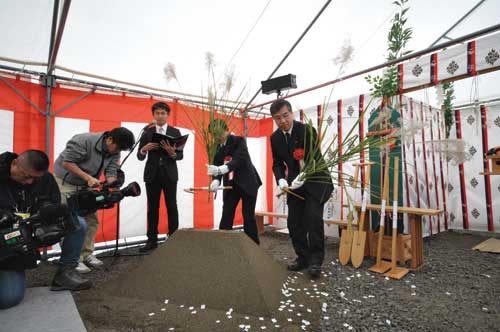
95 85
290 51
20 94
444 35
476 104
455 41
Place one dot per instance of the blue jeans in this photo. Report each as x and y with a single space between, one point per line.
72 244
12 286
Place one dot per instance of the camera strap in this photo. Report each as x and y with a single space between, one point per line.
13 201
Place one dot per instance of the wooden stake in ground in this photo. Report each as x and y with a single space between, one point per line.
192 190
359 236
382 266
346 236
395 272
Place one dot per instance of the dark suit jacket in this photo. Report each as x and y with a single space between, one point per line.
159 158
283 159
245 176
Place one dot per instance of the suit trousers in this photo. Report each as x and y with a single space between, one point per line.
153 190
231 200
306 228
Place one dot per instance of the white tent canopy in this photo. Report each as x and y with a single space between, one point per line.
132 41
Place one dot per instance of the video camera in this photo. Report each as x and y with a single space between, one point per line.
88 201
20 235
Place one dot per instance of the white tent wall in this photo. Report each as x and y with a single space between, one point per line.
428 176
467 191
6 130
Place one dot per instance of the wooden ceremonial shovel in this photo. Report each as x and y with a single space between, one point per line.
395 272
382 266
346 241
346 236
359 237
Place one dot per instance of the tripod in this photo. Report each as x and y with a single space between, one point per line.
116 253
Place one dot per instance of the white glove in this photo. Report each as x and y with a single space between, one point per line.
214 185
217 170
223 169
213 170
298 182
282 185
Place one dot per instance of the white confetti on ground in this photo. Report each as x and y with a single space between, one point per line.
217 322
151 314
166 301
203 307
349 327
413 286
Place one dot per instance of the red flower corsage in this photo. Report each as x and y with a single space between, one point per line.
228 159
298 154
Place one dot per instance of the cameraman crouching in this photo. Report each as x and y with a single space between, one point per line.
80 165
25 186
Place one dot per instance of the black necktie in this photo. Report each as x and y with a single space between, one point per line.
289 141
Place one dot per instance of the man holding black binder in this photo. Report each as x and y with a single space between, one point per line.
160 173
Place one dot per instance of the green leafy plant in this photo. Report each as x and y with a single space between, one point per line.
447 107
399 35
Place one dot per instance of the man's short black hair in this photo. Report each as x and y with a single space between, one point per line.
278 104
122 137
160 106
35 159
217 124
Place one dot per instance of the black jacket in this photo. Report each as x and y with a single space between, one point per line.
42 190
159 158
245 176
283 159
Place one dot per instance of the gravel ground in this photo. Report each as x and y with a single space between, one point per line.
458 289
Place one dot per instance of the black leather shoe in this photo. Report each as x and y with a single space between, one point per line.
297 265
315 271
150 245
67 278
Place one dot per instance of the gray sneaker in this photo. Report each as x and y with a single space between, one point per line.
82 268
93 261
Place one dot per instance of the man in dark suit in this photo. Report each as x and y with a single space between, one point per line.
290 145
160 173
232 162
